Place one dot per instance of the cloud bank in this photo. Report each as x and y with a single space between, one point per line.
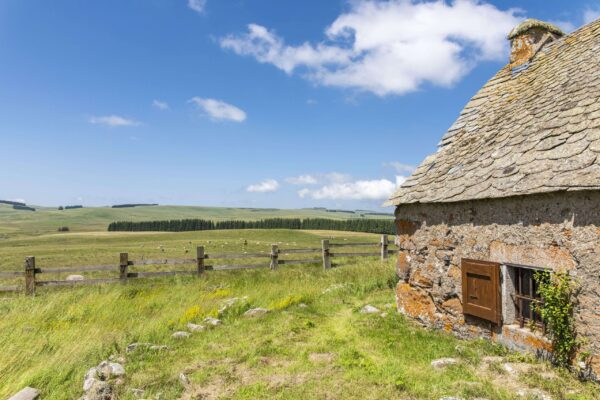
389 47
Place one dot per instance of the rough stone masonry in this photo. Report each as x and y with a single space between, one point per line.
558 231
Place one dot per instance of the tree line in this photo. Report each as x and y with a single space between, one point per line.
384 226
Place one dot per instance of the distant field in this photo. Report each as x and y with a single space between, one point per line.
46 220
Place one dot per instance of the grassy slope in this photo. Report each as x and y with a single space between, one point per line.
46 220
51 340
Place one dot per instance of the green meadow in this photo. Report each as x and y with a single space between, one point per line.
313 343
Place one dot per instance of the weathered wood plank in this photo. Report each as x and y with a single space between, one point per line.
298 251
231 267
233 256
306 261
159 273
10 274
72 283
353 244
14 288
353 254
76 269
165 262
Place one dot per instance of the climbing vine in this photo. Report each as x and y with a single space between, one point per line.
557 291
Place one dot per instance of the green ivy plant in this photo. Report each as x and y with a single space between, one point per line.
557 291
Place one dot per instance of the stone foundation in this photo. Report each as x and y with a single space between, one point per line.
558 231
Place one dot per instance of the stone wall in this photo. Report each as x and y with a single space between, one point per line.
560 231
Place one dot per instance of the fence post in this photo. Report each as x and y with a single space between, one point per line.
384 247
200 259
30 276
123 266
326 259
274 256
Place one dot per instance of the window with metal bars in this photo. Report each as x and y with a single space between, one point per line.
526 297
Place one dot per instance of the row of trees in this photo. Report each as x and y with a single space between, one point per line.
385 226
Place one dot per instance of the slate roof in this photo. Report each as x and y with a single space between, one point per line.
526 131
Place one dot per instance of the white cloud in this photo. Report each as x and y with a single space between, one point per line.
219 110
390 47
113 121
268 185
18 200
161 105
197 5
590 15
358 190
400 168
302 180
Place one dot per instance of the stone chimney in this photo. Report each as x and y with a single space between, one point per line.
528 38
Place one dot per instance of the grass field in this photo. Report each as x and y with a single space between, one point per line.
326 350
47 220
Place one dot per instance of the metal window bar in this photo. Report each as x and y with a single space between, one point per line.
532 298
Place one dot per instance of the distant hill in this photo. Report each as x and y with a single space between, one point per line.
88 219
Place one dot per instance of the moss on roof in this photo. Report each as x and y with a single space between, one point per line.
531 23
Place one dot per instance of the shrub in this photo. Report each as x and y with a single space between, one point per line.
557 292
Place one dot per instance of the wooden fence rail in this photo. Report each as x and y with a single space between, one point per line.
31 272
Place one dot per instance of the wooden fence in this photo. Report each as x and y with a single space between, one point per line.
32 273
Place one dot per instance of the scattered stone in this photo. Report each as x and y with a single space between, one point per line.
134 346
443 362
184 379
137 392
450 398
195 328
158 347
383 314
75 278
116 369
321 357
212 321
27 393
302 305
255 312
369 309
181 335
99 390
90 378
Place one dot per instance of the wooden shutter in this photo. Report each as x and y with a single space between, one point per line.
481 289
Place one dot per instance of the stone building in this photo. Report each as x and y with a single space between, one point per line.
513 187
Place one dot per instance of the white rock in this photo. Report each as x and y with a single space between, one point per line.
302 305
184 379
383 314
181 335
195 328
369 309
90 378
443 362
137 392
255 312
212 321
158 347
116 369
75 278
27 393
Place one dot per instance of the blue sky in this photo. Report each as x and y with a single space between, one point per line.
261 103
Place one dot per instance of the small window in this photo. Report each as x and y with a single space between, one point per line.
526 297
